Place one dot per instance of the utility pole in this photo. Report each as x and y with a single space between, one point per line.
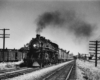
94 47
4 36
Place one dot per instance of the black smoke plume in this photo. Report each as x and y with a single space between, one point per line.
49 18
81 29
67 19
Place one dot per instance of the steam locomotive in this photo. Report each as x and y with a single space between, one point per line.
41 52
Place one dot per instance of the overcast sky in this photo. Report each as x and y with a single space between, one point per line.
21 16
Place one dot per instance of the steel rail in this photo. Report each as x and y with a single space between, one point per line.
69 73
53 73
17 73
10 70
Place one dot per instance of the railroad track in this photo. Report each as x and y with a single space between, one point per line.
66 72
16 73
9 70
58 74
5 74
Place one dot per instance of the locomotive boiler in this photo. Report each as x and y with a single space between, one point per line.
41 52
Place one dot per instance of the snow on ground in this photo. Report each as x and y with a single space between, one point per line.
94 61
39 73
79 74
9 65
87 71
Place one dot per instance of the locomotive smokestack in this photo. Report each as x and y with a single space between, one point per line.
37 35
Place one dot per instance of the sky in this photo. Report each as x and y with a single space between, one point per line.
70 24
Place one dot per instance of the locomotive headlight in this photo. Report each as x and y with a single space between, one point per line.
34 45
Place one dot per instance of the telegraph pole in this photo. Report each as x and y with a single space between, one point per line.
4 36
95 47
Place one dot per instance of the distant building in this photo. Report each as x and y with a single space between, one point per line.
93 55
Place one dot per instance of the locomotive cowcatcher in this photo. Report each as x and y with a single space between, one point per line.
41 52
